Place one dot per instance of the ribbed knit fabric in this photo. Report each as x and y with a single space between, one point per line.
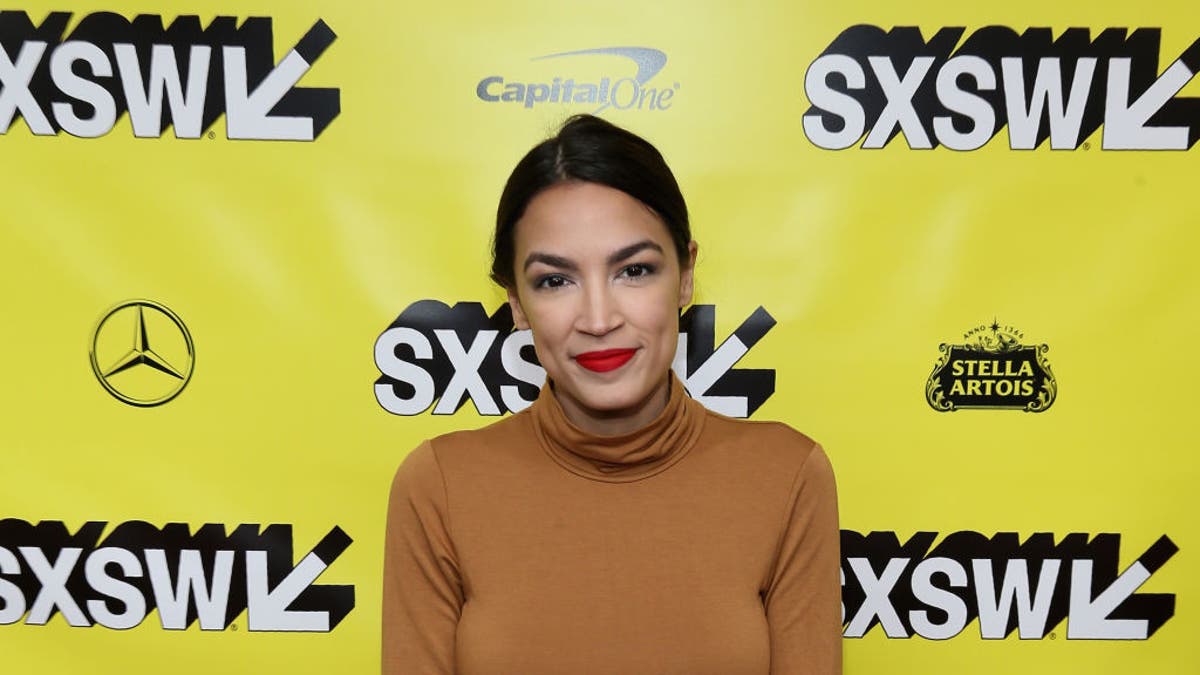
698 544
627 457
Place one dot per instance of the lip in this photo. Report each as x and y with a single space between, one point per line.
605 360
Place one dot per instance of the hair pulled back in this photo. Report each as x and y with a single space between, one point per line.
589 149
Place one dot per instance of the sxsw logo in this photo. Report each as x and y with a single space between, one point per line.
206 577
183 76
960 92
1029 587
434 352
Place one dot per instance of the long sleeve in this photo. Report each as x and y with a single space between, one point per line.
422 588
803 596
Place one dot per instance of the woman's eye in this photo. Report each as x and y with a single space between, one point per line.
551 281
637 270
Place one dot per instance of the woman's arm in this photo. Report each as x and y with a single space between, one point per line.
803 598
422 589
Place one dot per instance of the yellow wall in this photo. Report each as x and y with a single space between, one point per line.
287 260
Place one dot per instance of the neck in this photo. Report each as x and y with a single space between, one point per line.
619 421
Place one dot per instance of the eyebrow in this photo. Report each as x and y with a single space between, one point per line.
613 258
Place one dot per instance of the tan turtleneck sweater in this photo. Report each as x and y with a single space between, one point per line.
699 544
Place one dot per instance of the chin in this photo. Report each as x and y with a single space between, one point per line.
609 402
626 395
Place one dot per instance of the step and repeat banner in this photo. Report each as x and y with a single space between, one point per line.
244 268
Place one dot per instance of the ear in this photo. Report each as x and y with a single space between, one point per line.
514 303
686 276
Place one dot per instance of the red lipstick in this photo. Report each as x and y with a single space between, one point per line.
605 360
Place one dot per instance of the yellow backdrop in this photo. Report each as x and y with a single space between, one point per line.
897 278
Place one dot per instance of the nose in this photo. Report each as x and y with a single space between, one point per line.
599 313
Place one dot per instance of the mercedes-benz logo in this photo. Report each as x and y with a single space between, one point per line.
133 370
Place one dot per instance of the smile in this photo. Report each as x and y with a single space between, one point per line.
606 360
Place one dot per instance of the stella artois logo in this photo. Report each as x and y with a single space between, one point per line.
992 368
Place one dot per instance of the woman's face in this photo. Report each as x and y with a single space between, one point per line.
600 284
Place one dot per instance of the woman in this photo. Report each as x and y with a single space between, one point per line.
615 526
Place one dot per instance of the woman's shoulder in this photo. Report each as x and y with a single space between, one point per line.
515 428
476 448
774 439
757 430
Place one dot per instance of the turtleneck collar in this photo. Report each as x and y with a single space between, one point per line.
625 457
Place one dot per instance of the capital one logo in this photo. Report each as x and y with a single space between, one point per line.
622 93
181 75
436 353
960 90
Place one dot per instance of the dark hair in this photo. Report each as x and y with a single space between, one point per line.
592 150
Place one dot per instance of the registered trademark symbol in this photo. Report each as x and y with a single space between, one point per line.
1087 146
1053 636
233 626
211 135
